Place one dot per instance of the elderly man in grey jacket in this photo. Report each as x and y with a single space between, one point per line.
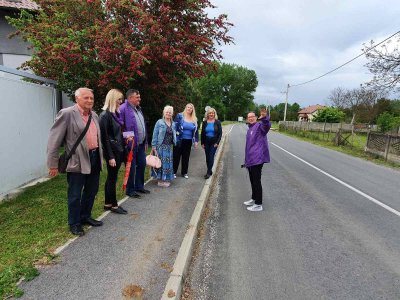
83 169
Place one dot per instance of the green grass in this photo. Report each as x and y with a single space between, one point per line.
356 147
34 224
229 122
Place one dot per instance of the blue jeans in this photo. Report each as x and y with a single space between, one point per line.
210 150
82 189
136 174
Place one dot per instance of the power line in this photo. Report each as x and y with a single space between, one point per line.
346 62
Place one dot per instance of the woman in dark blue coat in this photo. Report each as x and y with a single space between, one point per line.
211 134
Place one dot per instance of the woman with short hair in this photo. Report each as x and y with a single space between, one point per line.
113 147
164 137
187 134
211 134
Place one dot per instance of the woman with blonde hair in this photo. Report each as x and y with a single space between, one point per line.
164 137
113 147
211 133
187 134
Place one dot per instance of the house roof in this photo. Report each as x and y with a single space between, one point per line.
19 4
311 109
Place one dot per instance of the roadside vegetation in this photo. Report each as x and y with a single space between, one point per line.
355 148
34 224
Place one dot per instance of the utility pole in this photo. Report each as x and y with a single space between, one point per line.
287 93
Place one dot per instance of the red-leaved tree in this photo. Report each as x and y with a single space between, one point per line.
151 45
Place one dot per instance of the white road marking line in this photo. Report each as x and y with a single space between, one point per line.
231 129
387 207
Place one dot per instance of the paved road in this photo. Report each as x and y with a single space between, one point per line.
315 239
135 249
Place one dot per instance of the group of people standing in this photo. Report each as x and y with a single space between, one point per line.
121 128
173 140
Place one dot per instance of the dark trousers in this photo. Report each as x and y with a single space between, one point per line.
82 189
110 186
255 180
183 150
136 174
210 150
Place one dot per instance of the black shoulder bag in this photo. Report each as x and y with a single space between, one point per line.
65 157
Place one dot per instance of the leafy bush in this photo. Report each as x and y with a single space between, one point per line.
386 121
329 115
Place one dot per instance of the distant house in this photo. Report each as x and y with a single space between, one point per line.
308 113
13 52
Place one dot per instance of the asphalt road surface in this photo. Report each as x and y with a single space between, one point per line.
138 249
330 228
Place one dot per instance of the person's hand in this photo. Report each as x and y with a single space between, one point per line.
112 162
215 145
263 113
196 144
53 172
202 146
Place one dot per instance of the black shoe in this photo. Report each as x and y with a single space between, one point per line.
107 207
92 222
118 210
133 195
207 176
144 191
76 230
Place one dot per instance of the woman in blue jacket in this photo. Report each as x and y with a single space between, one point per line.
211 133
187 135
164 137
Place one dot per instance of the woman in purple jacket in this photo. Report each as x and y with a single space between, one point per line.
256 154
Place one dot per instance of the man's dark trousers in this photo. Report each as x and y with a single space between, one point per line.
255 180
82 189
136 174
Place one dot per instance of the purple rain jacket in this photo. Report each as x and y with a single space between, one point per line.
127 117
257 151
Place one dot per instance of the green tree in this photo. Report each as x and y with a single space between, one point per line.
329 115
387 121
229 88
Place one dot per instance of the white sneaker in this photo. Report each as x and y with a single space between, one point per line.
248 203
175 176
186 176
255 207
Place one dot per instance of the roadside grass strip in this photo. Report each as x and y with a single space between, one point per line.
34 224
356 150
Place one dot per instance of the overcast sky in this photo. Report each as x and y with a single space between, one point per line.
293 41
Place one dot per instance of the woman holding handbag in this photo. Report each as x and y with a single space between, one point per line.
113 147
164 137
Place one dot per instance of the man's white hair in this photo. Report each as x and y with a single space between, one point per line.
78 91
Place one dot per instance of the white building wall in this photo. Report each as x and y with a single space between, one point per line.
26 114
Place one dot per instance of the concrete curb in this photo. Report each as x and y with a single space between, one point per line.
173 289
